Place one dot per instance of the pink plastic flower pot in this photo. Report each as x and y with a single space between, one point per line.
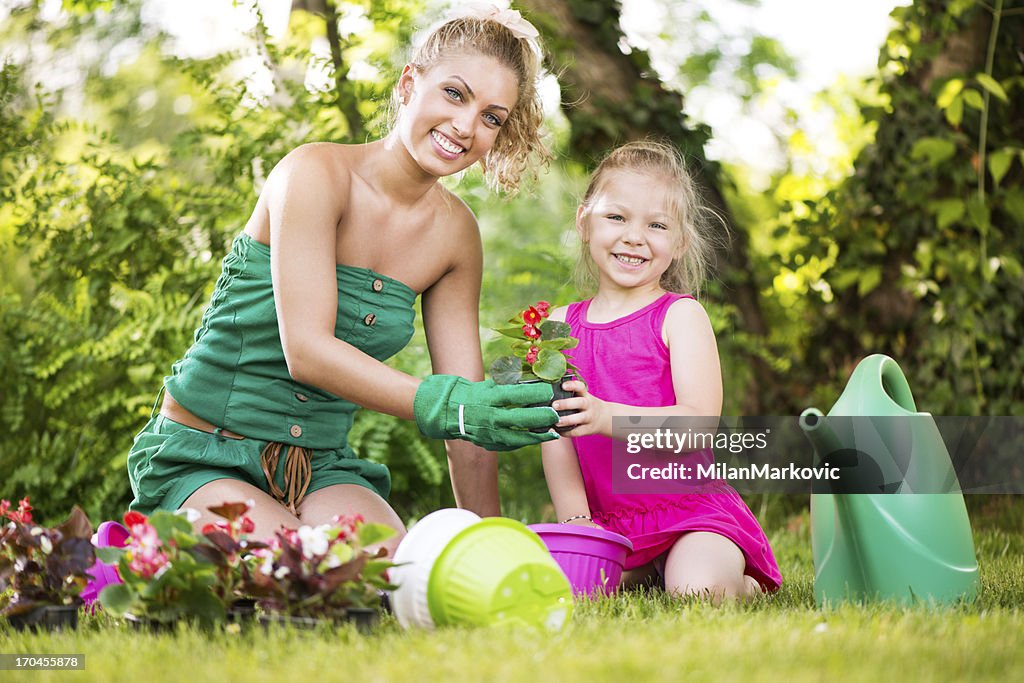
591 558
108 535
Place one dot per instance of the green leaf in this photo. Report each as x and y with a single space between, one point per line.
955 112
949 92
550 365
506 370
948 211
993 86
116 598
979 213
203 604
374 533
166 523
1014 203
999 163
868 280
551 329
973 98
559 344
935 150
514 332
109 555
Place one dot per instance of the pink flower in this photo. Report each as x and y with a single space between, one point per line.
247 525
531 355
347 525
543 307
145 555
531 332
23 514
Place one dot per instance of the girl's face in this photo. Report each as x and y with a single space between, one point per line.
632 233
454 110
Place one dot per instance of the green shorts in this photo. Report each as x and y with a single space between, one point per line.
169 462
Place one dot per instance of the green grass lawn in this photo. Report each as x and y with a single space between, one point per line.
631 638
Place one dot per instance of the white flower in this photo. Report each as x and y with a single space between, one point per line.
191 514
281 573
46 545
314 540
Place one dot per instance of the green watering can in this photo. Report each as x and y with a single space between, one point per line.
901 545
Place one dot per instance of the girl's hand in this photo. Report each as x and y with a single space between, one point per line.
594 416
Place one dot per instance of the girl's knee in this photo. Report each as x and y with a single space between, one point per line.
706 565
708 585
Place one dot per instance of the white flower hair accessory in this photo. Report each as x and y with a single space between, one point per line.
509 18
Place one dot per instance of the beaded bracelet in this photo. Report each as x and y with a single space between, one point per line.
575 517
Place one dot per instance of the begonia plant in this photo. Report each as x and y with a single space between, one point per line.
539 349
39 565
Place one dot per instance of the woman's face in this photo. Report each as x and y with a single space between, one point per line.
454 110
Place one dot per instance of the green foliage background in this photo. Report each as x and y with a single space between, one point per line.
116 209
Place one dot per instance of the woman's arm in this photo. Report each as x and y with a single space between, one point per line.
451 320
306 196
696 378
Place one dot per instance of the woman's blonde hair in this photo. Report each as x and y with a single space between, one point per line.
518 149
692 217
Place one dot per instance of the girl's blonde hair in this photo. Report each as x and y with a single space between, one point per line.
518 149
692 218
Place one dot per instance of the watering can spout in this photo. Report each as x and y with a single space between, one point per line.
821 436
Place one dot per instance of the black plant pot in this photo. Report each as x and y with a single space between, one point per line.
151 625
363 618
46 618
559 393
243 609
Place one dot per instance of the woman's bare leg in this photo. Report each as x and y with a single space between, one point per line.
267 514
321 506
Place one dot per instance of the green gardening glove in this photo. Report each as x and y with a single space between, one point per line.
451 407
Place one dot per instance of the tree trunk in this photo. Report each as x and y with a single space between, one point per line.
346 103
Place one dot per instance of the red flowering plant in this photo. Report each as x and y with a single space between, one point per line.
539 349
39 565
170 572
321 572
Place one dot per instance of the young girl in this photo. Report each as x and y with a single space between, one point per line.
319 288
646 349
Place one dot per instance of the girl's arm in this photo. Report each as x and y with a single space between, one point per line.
565 481
696 378
451 319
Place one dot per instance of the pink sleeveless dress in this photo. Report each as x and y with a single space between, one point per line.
626 361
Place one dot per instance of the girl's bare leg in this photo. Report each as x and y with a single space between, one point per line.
709 565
